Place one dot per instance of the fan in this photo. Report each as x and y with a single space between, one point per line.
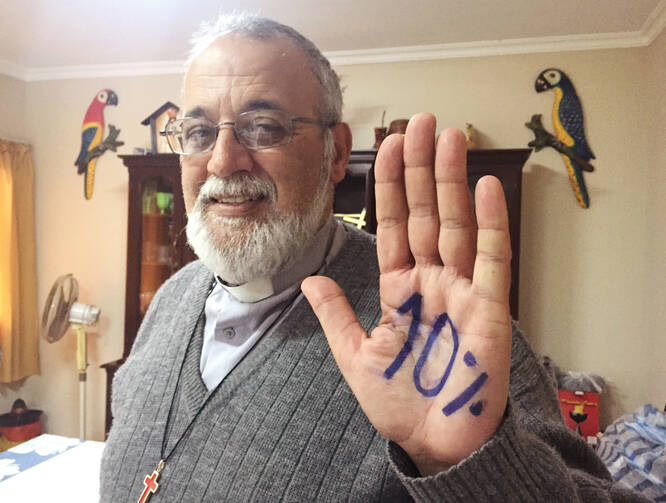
61 310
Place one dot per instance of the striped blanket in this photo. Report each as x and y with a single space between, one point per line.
634 450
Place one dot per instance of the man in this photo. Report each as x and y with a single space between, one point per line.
231 392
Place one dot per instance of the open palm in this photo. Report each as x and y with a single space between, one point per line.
433 375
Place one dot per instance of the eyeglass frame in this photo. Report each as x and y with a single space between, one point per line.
232 125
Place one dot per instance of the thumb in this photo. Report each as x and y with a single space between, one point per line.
340 324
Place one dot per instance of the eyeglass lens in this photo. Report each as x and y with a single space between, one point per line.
254 130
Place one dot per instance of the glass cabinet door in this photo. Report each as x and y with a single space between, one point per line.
157 238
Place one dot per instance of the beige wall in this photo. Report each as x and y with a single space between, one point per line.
86 238
12 108
654 281
590 298
589 292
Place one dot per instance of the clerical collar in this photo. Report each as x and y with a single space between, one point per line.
306 262
252 291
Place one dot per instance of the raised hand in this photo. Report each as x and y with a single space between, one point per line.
433 376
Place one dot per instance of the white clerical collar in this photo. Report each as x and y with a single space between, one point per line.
252 291
305 263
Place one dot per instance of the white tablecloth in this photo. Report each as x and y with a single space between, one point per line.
51 468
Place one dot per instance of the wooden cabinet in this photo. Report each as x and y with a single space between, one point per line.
507 165
157 245
356 191
156 242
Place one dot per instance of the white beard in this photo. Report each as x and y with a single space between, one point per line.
264 245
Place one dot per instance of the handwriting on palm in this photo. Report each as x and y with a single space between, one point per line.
433 375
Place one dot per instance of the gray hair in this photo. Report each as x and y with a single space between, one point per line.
260 28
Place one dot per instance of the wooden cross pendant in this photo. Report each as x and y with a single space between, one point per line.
150 484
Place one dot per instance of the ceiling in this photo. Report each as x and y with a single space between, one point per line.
42 38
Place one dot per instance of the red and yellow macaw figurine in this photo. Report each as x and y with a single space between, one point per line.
91 136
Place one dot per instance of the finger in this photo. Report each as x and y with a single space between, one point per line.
492 275
419 155
392 244
340 324
457 227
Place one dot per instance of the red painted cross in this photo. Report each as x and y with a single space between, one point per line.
150 485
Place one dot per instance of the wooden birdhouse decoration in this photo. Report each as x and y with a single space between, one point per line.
157 120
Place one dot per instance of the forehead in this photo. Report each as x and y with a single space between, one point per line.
235 71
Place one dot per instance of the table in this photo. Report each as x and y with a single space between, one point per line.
51 468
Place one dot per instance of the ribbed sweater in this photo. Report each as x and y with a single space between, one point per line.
284 425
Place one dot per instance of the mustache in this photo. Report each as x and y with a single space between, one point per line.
237 184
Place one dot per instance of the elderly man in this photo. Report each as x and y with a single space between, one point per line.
231 392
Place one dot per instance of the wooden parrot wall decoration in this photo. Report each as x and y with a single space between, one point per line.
568 123
92 132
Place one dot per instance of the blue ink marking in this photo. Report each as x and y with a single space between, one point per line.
469 359
436 329
413 304
476 408
465 396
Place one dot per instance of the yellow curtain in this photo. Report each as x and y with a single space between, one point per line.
19 324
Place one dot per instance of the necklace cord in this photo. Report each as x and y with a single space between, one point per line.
165 437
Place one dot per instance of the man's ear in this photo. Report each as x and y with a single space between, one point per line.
342 139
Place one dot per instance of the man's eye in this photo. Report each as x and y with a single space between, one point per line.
264 126
198 133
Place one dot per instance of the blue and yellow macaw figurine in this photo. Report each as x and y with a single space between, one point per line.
568 124
91 136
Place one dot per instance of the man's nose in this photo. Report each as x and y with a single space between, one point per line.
228 155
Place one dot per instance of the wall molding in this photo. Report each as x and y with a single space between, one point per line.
489 48
111 70
654 23
12 69
651 28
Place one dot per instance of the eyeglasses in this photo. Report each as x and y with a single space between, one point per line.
255 130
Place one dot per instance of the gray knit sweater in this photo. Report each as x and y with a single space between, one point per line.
284 425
